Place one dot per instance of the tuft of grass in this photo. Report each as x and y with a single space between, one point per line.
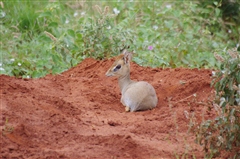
7 128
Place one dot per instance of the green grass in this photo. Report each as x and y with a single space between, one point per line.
42 37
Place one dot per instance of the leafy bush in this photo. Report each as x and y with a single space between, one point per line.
101 37
227 80
229 11
223 133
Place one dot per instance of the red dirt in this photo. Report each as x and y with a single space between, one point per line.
78 114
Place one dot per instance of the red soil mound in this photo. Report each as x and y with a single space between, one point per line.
78 114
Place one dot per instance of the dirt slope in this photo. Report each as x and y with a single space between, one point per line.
78 114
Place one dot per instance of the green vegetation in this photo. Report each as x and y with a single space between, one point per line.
42 37
7 129
223 133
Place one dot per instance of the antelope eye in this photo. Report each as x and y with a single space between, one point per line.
117 68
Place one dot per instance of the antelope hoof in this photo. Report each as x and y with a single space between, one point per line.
127 109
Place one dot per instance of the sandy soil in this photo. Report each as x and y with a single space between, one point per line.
78 114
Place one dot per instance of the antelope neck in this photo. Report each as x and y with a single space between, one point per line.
124 81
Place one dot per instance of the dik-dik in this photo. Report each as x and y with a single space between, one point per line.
135 95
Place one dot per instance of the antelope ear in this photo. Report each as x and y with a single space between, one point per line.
127 56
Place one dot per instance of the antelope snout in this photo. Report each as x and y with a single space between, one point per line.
108 74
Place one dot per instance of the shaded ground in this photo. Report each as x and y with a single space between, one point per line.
78 114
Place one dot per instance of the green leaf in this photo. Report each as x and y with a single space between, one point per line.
168 23
45 14
215 3
53 24
63 19
217 12
56 59
71 33
36 74
45 39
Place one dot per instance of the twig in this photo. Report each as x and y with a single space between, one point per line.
184 98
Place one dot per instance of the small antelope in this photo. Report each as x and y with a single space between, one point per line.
135 95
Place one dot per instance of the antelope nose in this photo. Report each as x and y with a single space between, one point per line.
108 74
